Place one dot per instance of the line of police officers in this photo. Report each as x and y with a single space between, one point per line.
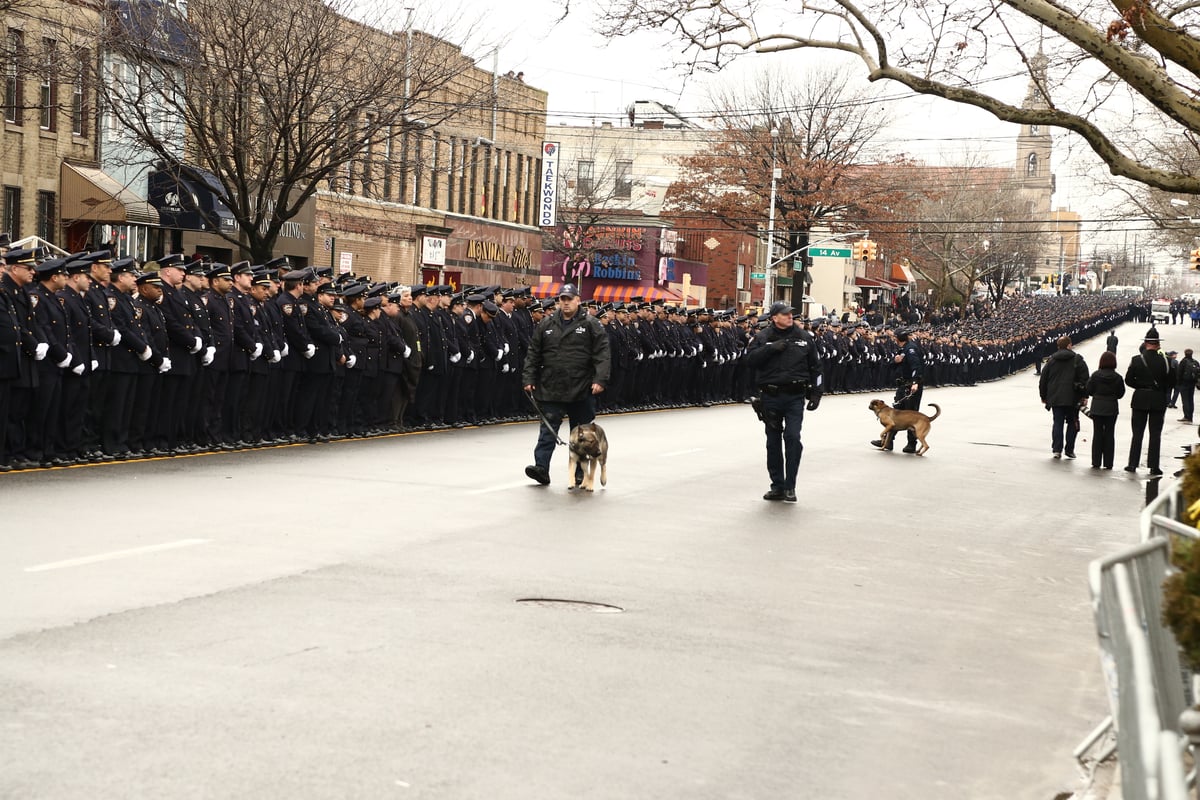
101 359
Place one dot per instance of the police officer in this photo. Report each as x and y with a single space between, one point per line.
787 369
910 385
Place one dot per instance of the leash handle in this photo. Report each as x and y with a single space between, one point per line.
542 417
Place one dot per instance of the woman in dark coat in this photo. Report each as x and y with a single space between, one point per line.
1105 388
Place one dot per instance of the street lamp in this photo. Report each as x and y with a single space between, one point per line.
768 281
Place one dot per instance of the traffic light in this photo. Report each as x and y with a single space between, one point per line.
856 251
1196 259
872 250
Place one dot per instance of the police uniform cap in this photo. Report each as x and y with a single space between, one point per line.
326 288
373 301
507 294
21 255
305 275
152 278
178 260
77 267
780 308
456 300
376 289
126 264
98 256
325 272
354 290
475 299
241 268
279 263
51 266
568 290
490 307
197 267
418 290
338 305
1152 335
262 278
218 271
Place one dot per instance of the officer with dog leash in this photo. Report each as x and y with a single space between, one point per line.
787 369
910 386
567 365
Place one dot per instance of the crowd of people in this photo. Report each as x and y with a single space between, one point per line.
105 358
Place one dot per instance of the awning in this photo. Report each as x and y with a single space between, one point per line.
90 194
189 204
902 274
875 283
546 289
617 292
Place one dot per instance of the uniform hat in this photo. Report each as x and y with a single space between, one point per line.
98 256
354 289
22 255
490 307
373 302
241 268
217 271
1152 335
77 267
1172 352
417 291
456 299
326 288
262 279
197 267
568 290
152 278
126 264
279 263
52 266
475 299
780 308
301 275
177 260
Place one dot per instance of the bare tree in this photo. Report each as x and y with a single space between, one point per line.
818 132
1118 74
275 98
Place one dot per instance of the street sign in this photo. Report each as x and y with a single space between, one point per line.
829 252
798 265
783 283
758 276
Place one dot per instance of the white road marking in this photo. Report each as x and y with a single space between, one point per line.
115 554
683 452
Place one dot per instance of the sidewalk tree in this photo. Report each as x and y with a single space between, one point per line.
1115 73
275 98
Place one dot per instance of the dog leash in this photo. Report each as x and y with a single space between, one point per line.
546 422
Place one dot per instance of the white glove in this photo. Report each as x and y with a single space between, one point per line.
145 354
470 356
276 356
40 351
78 369
116 338
207 358
258 348
284 352
197 346
165 366
639 357
429 368
310 351
66 362
95 365
506 348
351 361
454 359
504 369
408 352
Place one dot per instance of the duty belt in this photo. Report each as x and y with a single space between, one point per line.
783 388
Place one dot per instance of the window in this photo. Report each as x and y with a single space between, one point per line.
624 182
583 177
12 210
1035 129
1031 165
49 94
79 120
47 216
13 88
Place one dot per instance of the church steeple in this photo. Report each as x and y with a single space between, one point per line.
1034 144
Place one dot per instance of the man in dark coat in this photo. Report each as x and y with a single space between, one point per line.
1062 386
567 366
1151 378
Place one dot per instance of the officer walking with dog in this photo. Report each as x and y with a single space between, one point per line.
567 365
910 386
787 369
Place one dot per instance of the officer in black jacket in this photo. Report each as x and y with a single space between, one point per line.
787 369
910 385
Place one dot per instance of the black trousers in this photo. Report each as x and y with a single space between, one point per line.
1140 421
71 416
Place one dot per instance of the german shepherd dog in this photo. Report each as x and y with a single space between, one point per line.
894 420
588 447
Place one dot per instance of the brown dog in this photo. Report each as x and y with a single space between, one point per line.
894 420
588 446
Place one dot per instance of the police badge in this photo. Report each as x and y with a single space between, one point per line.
33 302
287 309
112 303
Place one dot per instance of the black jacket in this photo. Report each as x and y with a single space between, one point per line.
1151 378
1105 387
566 357
1064 379
777 364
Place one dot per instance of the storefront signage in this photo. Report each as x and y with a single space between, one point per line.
497 253
548 203
433 251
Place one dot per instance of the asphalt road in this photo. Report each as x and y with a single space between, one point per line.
342 620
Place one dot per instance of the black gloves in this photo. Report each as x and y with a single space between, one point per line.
779 345
814 400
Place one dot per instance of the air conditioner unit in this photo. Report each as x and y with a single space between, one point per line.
743 296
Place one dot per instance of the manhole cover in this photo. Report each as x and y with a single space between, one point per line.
572 605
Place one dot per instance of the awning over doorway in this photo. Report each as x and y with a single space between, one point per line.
615 292
902 274
189 201
875 283
92 195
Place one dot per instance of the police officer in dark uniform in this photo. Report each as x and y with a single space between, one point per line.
77 379
787 371
217 301
186 345
910 385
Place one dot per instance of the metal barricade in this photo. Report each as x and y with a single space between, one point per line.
1140 660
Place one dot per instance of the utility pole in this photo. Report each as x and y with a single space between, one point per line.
768 275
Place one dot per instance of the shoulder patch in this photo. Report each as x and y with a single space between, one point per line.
112 303
287 309
33 301
304 310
